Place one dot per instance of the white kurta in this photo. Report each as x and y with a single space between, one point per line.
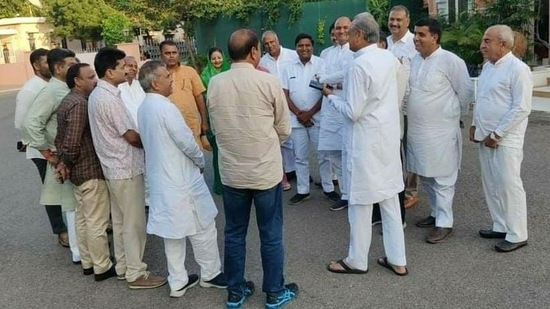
132 96
440 90
337 61
173 162
277 66
371 158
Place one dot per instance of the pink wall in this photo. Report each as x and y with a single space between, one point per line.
14 75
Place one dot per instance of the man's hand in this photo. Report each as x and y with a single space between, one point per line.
204 127
326 90
304 117
472 133
491 143
62 172
53 160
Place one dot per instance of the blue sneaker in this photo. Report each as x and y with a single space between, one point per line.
277 301
236 300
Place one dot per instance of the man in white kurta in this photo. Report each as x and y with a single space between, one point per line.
131 92
274 61
401 44
305 103
500 119
180 204
440 91
337 61
371 158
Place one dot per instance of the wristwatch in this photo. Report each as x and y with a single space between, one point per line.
494 137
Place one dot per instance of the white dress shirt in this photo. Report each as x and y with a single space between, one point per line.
404 48
132 96
277 66
504 97
440 91
296 78
23 102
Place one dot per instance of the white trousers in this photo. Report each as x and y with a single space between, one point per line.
302 138
73 240
441 191
205 249
359 217
335 159
504 193
287 152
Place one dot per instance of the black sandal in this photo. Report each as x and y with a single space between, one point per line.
346 269
384 263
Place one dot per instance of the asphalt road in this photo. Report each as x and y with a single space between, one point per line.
463 272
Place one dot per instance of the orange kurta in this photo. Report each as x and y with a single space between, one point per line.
187 84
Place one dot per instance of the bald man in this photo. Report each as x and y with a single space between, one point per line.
131 92
245 132
503 103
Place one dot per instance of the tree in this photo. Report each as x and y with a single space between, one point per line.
77 19
114 27
16 8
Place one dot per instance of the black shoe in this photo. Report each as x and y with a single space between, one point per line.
426 222
506 246
318 184
236 300
106 275
490 234
298 198
191 282
291 175
339 205
277 301
220 282
333 196
88 271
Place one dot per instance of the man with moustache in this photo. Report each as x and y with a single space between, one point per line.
275 60
503 104
181 206
440 91
79 164
23 102
40 129
401 44
304 103
187 92
119 149
337 62
131 92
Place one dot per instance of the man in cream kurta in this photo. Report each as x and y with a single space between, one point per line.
40 129
440 90
500 119
180 204
371 158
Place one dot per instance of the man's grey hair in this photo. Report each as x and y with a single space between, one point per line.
504 34
400 7
270 32
147 73
366 23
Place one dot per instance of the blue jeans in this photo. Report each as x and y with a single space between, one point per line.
269 217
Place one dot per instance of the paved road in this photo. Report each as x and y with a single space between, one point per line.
464 272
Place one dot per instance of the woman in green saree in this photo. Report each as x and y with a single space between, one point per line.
216 64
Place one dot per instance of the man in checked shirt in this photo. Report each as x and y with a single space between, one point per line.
80 164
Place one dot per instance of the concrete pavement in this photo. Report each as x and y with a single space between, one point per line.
463 272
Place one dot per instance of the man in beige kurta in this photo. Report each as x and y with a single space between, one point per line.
187 91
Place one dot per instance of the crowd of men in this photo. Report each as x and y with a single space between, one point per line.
379 115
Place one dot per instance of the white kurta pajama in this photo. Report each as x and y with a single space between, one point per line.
276 67
440 91
503 104
337 61
180 204
371 158
296 78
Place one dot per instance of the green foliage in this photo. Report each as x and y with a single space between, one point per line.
113 27
380 10
464 36
17 8
321 31
77 19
